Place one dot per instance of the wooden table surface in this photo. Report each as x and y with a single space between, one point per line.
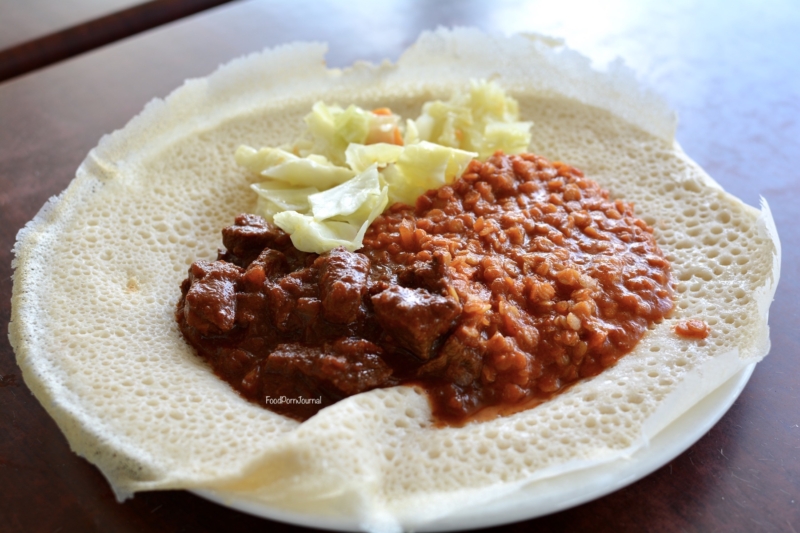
34 19
38 33
732 73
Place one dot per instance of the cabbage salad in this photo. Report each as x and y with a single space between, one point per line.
350 164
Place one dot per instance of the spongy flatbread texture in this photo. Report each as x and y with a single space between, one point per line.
98 274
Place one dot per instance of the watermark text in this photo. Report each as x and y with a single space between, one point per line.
285 400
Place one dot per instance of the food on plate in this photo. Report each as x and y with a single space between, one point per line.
96 274
499 290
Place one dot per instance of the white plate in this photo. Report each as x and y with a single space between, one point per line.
549 495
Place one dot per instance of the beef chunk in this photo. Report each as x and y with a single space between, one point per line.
343 282
460 361
352 366
415 318
250 306
430 275
273 263
312 377
210 302
248 237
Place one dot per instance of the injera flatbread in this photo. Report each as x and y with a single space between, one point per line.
98 272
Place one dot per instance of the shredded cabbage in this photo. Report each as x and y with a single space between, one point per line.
347 198
359 157
431 165
311 235
275 197
311 171
481 120
330 185
332 129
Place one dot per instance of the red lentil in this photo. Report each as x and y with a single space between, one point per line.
692 329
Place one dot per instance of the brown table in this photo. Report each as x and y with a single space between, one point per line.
731 72
37 33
